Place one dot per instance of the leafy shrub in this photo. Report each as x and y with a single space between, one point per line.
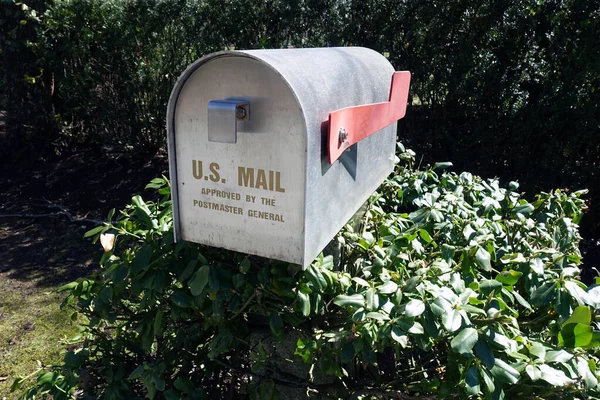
449 286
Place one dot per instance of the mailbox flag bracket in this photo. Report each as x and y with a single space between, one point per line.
350 125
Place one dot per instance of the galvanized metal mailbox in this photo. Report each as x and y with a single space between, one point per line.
271 152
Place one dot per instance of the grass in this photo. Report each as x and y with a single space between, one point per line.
33 330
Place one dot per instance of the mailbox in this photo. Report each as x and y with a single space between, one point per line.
271 152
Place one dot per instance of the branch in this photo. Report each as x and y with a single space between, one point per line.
62 211
379 394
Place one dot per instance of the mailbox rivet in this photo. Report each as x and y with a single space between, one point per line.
343 135
240 112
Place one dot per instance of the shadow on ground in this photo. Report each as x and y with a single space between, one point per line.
49 249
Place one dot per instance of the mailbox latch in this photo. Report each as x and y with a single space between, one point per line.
223 118
352 124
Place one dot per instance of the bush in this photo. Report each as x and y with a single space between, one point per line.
450 286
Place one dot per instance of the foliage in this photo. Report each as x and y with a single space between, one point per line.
451 285
109 66
25 90
502 88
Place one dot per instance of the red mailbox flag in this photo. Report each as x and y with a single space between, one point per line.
352 124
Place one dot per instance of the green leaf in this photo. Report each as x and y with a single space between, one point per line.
328 263
304 303
143 212
500 339
464 341
425 235
442 165
534 372
583 368
524 209
538 350
416 244
372 299
553 376
504 372
581 315
155 183
361 282
509 278
414 308
537 266
472 309
452 320
595 340
387 288
188 271
543 294
410 326
487 379
575 335
142 259
245 266
440 306
95 231
348 353
16 385
276 323
378 316
137 373
158 322
482 257
304 349
45 378
576 291
199 280
521 300
448 253
559 356
399 336
489 285
316 278
485 353
181 299
172 395
436 215
68 286
472 381
354 300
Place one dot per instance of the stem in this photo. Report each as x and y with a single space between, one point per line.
244 306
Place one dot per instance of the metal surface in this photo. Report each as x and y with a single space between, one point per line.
297 201
353 124
343 135
223 117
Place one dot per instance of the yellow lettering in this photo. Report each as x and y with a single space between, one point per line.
197 169
266 216
261 180
278 183
246 177
214 168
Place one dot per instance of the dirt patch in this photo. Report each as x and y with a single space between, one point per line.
39 243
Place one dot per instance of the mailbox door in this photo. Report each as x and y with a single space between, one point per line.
249 195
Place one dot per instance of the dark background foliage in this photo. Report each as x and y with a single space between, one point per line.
500 88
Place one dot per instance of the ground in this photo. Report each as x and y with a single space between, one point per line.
42 247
